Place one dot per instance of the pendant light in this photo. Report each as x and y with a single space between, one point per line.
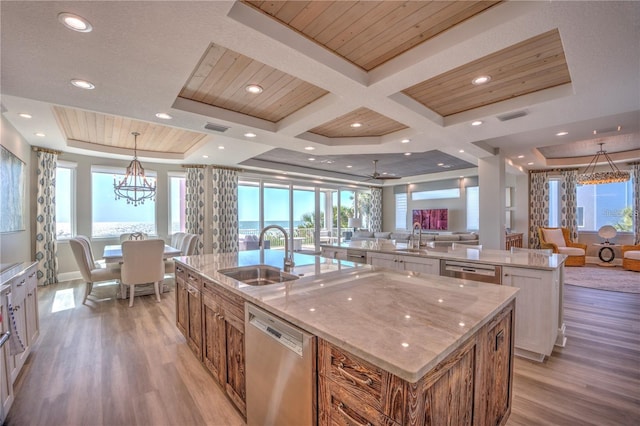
590 177
134 187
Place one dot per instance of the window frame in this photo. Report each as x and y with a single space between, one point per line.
73 168
170 176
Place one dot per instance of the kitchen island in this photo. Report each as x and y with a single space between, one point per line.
540 277
391 348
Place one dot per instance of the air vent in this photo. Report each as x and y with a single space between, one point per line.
607 130
512 115
216 127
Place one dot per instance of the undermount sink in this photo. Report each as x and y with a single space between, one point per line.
258 274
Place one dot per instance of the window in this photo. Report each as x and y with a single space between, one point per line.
436 194
111 217
401 210
473 208
177 198
65 200
606 204
554 203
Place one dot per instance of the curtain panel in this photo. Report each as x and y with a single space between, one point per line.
46 245
569 203
195 205
224 205
635 170
538 205
376 210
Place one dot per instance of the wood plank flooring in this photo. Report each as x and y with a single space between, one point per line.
106 364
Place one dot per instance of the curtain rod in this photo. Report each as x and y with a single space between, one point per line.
50 151
194 166
553 170
212 167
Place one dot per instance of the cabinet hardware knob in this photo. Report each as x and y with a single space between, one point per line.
350 419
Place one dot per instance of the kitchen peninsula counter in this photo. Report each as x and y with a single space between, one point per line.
402 323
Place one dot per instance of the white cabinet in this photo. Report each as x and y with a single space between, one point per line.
335 253
404 263
537 305
6 384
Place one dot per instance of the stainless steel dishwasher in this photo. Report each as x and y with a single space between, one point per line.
471 271
280 371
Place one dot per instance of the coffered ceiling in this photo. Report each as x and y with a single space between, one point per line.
402 70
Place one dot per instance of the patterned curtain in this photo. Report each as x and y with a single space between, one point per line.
376 210
569 203
46 246
224 202
195 204
538 205
635 169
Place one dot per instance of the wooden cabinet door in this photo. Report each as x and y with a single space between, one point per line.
235 383
194 332
19 304
6 384
382 260
422 265
182 308
213 332
497 365
31 306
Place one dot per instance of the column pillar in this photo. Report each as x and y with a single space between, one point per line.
491 182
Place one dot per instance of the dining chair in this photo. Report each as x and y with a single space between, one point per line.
133 236
142 263
187 245
91 271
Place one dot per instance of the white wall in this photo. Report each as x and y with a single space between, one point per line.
16 247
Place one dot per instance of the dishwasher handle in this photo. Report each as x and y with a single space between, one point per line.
4 338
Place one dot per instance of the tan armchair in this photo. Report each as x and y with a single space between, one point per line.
631 257
557 239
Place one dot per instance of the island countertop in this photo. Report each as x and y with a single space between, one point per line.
522 259
404 323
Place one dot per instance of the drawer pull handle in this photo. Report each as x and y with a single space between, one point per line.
22 283
344 373
349 418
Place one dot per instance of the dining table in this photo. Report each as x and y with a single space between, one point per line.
113 254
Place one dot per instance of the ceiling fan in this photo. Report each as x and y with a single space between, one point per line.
380 176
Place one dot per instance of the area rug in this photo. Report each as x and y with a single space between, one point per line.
603 278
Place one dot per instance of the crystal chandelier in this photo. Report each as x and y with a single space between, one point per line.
591 177
134 187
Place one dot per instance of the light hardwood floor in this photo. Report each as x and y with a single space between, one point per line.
106 364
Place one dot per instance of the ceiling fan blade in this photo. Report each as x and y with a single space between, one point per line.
378 176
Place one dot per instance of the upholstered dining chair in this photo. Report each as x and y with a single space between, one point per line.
133 236
187 245
631 257
142 263
91 271
557 239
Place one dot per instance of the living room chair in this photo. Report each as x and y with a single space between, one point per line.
142 263
557 239
631 257
91 271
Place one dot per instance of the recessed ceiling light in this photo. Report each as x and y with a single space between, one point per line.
312 159
562 133
309 148
349 166
40 134
164 116
249 135
24 115
595 132
253 88
520 156
530 163
221 147
83 84
619 128
205 156
407 153
74 22
482 79
461 151
476 123
356 125
440 164
405 140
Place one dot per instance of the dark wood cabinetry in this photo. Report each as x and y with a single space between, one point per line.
189 308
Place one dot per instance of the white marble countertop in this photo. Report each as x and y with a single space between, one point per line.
404 323
8 271
528 259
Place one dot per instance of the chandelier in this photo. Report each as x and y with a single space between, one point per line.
591 177
134 187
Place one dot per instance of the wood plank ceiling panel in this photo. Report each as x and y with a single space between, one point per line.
532 65
370 33
221 77
115 131
373 124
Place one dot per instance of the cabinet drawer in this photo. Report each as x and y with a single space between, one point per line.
357 376
339 407
180 273
193 279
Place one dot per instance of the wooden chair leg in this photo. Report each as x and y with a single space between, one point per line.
131 292
87 290
156 285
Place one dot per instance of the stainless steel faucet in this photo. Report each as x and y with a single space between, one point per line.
288 257
418 226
